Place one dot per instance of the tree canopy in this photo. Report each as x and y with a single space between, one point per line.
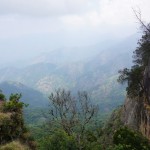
141 59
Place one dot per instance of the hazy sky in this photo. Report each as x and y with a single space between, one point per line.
31 26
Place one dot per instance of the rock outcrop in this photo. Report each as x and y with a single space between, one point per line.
136 112
136 115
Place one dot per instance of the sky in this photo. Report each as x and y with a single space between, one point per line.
28 27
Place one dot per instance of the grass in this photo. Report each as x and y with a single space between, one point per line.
15 145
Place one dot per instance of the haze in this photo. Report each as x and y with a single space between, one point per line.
29 27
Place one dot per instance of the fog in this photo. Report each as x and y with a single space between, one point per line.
31 27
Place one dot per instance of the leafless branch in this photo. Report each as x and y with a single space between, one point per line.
139 18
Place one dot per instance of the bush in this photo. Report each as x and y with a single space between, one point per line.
127 139
2 97
59 140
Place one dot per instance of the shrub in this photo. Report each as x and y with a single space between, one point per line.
127 139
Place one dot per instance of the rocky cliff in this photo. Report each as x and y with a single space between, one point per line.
136 112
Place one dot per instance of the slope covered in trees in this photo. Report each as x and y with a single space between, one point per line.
72 122
135 112
13 133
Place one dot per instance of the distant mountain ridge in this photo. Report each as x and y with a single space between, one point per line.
64 68
29 96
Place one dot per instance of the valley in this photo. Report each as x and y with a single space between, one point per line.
94 70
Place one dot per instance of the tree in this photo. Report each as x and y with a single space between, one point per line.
141 59
142 52
14 104
12 123
139 18
73 114
60 140
134 78
70 112
2 97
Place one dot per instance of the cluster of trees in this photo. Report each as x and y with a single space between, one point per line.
72 122
12 126
141 59
71 126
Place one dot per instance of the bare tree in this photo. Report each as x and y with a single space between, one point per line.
138 16
71 113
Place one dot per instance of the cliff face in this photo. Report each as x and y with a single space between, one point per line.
136 115
136 112
130 113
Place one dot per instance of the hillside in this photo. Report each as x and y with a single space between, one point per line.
29 96
14 134
93 69
133 118
136 111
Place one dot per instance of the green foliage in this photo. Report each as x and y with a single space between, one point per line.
12 124
67 112
134 76
13 105
121 147
2 96
114 122
59 140
35 116
90 141
127 139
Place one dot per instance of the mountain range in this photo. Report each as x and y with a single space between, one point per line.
93 69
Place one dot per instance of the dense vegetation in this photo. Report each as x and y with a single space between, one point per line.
127 139
72 122
13 132
64 129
